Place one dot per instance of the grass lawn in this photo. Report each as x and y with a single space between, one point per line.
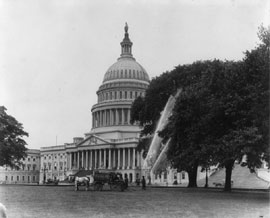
63 201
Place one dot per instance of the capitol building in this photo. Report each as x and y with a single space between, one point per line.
111 143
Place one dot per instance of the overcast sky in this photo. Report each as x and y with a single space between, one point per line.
54 53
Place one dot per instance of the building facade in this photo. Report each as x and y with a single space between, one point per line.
111 143
27 173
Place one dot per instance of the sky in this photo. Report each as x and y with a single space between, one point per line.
54 53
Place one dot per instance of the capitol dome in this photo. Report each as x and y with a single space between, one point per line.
123 82
126 68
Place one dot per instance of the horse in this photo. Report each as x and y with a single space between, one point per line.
86 180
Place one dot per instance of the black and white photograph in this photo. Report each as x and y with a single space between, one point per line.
134 108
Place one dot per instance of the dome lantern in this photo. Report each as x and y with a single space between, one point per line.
126 67
126 44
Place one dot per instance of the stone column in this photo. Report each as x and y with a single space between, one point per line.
138 159
95 161
128 116
74 161
110 153
98 120
110 115
119 158
104 157
124 159
70 161
123 116
105 117
133 160
90 159
99 158
95 119
114 151
78 159
101 118
128 165
82 159
117 117
86 164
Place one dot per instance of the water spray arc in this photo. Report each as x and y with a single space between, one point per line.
154 157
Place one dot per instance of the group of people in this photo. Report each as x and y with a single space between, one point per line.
138 181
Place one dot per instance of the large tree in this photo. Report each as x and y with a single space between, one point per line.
190 128
225 116
147 110
221 116
12 145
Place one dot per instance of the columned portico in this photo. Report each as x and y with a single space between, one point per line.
111 143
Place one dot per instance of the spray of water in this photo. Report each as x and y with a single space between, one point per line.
155 146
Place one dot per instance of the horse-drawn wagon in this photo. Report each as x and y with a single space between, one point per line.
99 179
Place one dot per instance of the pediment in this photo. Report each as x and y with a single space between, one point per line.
93 140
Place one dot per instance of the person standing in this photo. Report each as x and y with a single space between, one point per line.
143 183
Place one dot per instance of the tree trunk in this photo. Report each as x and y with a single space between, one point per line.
192 176
228 167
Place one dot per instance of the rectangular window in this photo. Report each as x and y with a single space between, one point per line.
130 95
11 178
183 175
125 95
6 178
22 178
34 178
18 178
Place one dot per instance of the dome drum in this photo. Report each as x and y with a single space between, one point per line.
123 82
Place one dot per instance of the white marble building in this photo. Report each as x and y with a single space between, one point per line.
28 172
111 143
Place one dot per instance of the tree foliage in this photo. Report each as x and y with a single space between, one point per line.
221 115
12 146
